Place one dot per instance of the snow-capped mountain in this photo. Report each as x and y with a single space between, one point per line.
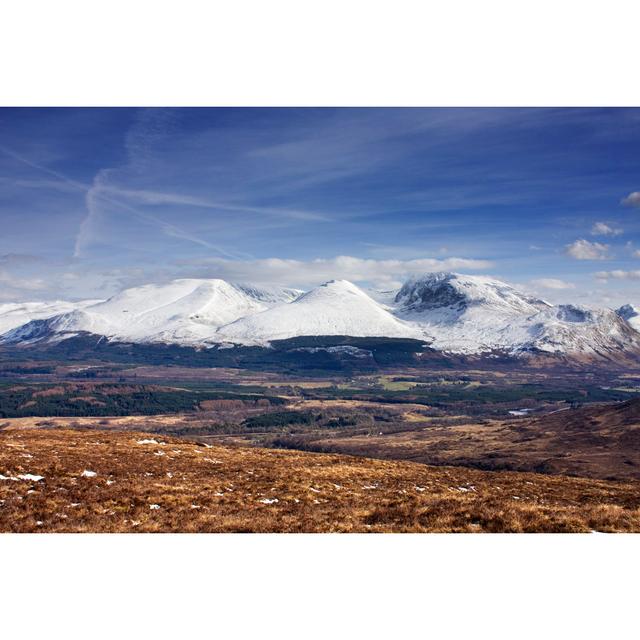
336 308
453 313
465 314
15 314
184 311
476 314
453 293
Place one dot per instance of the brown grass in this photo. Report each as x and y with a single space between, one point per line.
597 441
212 489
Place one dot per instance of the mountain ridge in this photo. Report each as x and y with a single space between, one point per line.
453 313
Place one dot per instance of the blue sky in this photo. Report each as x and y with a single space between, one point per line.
92 200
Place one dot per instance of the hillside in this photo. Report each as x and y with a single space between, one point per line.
597 441
75 481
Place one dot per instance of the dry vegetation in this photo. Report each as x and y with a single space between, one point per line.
89 481
599 441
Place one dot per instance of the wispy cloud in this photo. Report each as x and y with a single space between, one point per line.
28 284
99 195
618 275
585 250
162 198
96 194
604 229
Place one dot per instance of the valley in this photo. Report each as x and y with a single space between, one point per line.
571 423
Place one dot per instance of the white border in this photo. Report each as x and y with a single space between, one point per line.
335 52
319 586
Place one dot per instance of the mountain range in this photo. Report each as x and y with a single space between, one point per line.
450 312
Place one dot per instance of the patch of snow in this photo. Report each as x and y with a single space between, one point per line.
268 500
154 507
30 476
88 474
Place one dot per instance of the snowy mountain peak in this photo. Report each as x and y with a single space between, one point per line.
334 288
458 292
337 307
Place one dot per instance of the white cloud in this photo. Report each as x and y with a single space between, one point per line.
603 229
584 250
618 275
632 200
552 283
379 273
13 282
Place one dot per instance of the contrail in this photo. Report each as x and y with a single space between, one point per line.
167 228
